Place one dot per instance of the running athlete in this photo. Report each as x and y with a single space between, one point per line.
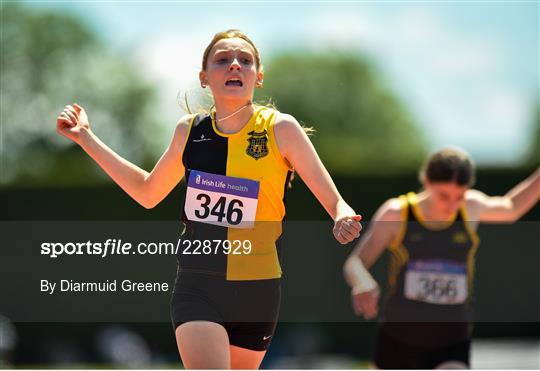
426 320
237 161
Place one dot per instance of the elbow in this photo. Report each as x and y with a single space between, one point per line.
514 212
508 218
146 196
148 206
514 217
147 202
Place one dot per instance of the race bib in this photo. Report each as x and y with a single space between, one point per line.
436 282
221 200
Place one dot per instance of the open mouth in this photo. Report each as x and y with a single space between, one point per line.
234 82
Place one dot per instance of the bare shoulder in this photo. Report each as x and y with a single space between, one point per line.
184 122
286 123
475 198
181 131
182 126
289 135
475 202
285 119
390 211
475 195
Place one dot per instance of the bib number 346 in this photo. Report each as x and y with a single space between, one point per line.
221 200
231 212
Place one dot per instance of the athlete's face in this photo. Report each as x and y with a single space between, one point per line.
446 197
231 70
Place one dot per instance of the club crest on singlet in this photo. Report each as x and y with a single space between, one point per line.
221 200
258 144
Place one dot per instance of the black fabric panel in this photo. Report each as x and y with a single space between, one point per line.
205 151
214 263
422 243
285 189
278 241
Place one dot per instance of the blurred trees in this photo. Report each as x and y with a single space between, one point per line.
362 127
49 60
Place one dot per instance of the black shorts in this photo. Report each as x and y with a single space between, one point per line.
247 309
391 353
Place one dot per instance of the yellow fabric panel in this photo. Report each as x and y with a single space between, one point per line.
396 242
398 259
262 262
271 172
471 258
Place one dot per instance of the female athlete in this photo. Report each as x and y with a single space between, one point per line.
237 161
426 319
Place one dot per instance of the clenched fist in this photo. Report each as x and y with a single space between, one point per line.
71 122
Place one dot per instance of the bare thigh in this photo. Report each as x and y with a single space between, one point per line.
203 345
245 359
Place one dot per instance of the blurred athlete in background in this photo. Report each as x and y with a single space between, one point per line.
426 320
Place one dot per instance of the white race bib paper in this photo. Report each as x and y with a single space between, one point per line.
221 200
436 282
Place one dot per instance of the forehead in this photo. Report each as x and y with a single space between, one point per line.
449 187
232 44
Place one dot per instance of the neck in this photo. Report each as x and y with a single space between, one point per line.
231 116
425 204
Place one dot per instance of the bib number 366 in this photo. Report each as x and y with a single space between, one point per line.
436 282
221 200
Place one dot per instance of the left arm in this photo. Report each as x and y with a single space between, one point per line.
508 208
298 151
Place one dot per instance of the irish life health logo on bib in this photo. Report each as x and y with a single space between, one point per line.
221 200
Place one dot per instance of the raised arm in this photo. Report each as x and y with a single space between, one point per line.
383 229
148 189
298 151
508 208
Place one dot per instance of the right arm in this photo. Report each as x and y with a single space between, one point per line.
385 226
148 189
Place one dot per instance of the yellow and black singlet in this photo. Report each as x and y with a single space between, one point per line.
236 186
430 276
